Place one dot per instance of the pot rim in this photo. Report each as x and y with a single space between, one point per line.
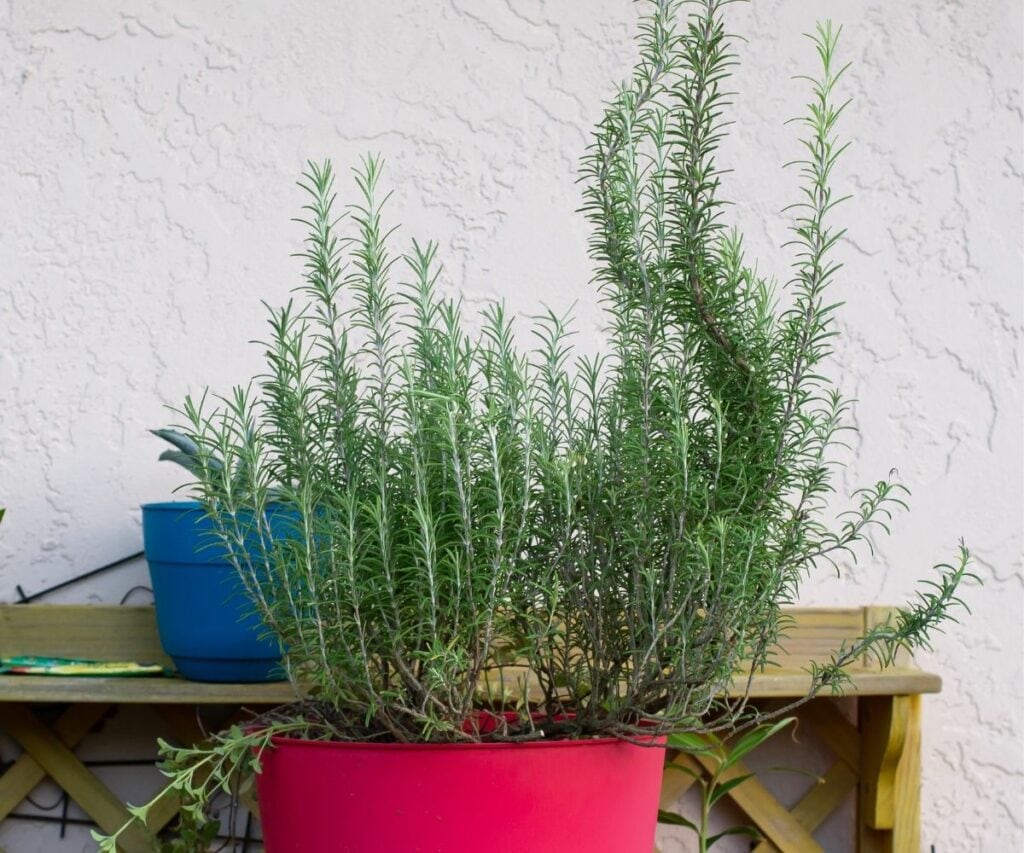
654 741
176 506
187 505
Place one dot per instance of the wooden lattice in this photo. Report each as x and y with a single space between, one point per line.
878 759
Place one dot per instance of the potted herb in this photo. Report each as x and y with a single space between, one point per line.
206 624
517 570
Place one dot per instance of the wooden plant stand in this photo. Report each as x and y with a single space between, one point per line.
880 757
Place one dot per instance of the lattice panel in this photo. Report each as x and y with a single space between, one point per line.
879 759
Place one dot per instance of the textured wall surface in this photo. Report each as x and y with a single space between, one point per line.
148 153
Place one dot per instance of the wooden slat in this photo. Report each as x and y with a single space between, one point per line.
771 818
839 734
111 632
906 830
820 801
139 691
815 633
183 724
825 796
883 726
889 805
676 782
25 773
59 762
781 683
86 631
874 840
776 684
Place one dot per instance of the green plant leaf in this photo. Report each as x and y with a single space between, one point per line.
138 812
753 739
690 743
734 830
693 774
673 819
724 788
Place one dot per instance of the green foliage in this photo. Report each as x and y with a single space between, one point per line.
198 773
625 529
190 835
723 756
628 527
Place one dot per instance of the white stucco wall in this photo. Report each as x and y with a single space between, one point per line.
147 159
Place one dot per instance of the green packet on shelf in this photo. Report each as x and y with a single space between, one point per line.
69 666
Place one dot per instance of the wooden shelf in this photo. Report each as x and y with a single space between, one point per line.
139 691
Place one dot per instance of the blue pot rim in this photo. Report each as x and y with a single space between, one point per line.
172 506
186 506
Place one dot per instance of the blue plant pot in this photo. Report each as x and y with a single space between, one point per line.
206 622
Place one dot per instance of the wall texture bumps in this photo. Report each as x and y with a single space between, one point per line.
148 152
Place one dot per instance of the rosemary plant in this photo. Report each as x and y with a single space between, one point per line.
624 530
617 535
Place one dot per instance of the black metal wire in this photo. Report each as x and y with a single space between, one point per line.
135 588
64 815
248 829
36 804
25 599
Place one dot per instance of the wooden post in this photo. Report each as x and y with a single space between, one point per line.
890 791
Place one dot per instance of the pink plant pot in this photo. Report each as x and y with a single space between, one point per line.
561 796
